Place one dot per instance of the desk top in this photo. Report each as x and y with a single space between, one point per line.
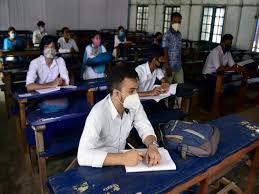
82 86
26 52
234 136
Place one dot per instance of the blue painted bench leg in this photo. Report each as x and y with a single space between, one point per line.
38 131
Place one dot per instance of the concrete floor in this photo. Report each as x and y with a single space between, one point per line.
14 178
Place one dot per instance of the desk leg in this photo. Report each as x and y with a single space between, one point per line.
41 160
218 88
204 186
8 89
252 173
90 96
186 105
241 95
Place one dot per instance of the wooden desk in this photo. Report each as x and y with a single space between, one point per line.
236 141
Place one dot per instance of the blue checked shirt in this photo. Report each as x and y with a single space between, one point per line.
173 42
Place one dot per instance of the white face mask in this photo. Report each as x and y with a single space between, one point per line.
49 53
176 26
42 29
132 102
12 35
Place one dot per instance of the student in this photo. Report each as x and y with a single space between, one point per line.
110 122
48 70
149 72
158 39
119 40
92 51
220 58
172 44
13 42
66 43
39 33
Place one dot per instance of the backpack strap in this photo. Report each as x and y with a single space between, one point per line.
184 149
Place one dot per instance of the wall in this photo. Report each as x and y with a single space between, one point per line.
240 17
77 14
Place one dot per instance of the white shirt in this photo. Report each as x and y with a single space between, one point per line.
39 71
146 78
37 36
89 72
66 46
106 132
116 44
217 58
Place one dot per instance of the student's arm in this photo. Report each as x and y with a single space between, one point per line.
165 45
75 47
147 134
63 70
34 37
6 44
164 82
88 153
156 91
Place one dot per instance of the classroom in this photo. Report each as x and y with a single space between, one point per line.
129 96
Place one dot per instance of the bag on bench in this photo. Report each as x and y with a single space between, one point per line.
190 138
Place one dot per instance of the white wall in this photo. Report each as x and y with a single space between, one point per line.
239 20
76 14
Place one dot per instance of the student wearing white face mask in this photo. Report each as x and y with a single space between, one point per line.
172 44
39 33
48 70
13 42
110 122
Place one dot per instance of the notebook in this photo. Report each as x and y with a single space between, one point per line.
166 163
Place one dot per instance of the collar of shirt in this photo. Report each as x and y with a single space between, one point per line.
148 69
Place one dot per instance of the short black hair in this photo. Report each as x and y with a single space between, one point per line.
118 74
226 37
95 33
156 52
157 34
120 28
40 23
11 28
176 14
63 29
46 40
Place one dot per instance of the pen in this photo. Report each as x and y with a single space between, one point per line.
131 146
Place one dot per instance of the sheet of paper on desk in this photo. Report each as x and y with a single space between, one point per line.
166 163
69 87
24 95
171 91
48 90
242 63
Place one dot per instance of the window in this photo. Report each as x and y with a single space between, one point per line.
212 24
167 16
142 18
256 39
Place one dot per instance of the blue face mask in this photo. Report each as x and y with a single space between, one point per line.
121 36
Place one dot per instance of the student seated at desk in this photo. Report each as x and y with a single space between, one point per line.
110 122
220 59
47 71
39 33
158 39
66 43
13 42
150 71
119 40
92 51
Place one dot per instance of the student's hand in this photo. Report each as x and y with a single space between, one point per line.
152 156
156 91
165 87
133 157
72 50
